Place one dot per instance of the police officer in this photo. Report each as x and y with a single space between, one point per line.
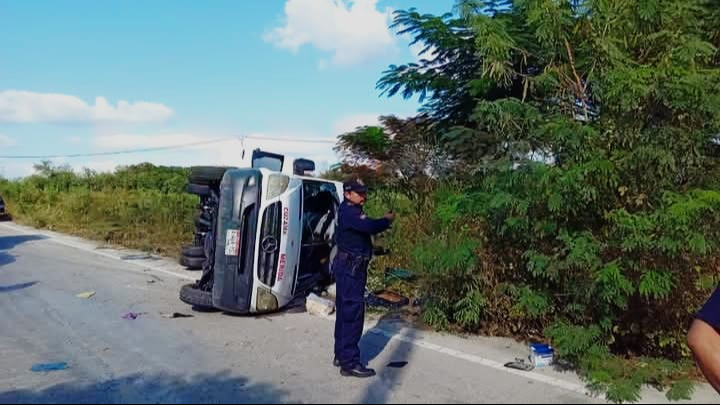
704 339
354 242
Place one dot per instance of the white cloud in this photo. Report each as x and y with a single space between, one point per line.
29 107
353 30
6 141
352 122
73 139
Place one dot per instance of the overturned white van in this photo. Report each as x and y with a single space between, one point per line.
264 236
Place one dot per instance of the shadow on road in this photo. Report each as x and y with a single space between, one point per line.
16 287
157 388
374 342
10 242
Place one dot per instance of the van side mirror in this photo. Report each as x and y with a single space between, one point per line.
301 166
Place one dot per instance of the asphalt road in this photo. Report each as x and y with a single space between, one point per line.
212 357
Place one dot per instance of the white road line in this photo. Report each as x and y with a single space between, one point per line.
100 253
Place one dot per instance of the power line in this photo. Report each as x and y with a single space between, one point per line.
122 152
163 148
267 138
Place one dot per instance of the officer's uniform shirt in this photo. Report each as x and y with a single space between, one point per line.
355 230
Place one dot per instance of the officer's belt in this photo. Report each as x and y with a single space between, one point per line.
353 256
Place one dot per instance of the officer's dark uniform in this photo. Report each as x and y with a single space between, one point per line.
710 313
354 241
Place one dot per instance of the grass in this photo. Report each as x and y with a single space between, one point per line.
150 221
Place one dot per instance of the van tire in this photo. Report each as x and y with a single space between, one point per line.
198 189
193 251
192 263
196 297
207 175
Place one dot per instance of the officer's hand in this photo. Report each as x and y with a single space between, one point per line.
390 216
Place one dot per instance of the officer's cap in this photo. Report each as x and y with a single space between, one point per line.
355 185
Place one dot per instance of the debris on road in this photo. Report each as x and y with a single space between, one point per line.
175 315
332 292
151 281
48 367
399 274
398 364
131 316
86 295
520 364
137 257
319 306
542 355
387 299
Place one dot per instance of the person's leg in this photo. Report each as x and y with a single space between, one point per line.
340 282
353 319
704 341
346 287
358 324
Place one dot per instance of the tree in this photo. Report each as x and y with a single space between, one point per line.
402 154
592 126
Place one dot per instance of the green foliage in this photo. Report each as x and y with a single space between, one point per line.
453 299
143 207
619 378
582 156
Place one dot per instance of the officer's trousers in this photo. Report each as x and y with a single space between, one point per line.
351 275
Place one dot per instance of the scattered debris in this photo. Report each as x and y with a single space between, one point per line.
387 299
131 316
136 257
520 364
151 281
319 306
541 355
398 364
86 295
48 367
399 274
332 292
175 315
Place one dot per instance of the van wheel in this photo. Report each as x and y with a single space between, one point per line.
193 251
192 263
198 189
196 297
207 175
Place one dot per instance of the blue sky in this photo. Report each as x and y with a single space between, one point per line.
86 76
